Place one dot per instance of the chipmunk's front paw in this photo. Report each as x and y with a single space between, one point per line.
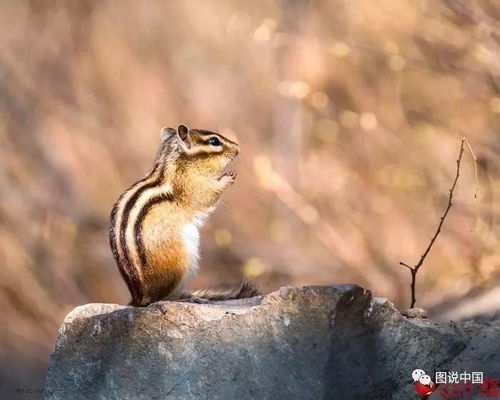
228 178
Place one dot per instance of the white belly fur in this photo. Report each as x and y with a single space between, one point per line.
191 238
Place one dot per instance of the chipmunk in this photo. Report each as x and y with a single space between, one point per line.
154 227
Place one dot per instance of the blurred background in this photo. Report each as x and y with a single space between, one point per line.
349 115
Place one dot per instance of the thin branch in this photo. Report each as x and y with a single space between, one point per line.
448 207
416 267
405 265
476 181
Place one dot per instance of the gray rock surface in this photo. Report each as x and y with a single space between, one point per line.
320 342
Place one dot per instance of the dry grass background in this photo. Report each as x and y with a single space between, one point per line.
349 115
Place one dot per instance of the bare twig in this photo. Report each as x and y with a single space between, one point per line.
416 267
405 265
476 187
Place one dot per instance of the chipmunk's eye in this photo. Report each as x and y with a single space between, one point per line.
214 141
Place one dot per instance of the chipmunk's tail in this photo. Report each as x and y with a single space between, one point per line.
245 290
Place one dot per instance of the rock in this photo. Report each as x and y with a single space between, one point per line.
415 313
319 342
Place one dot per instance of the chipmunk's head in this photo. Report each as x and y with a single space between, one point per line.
208 153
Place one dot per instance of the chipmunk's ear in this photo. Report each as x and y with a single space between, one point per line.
183 136
167 133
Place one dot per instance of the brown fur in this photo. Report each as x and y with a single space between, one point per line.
147 221
245 290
